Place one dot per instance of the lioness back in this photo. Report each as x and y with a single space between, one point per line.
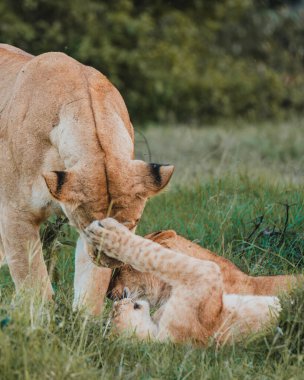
11 61
57 80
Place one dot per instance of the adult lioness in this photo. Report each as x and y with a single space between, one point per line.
66 144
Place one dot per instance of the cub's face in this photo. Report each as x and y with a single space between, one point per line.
131 316
88 194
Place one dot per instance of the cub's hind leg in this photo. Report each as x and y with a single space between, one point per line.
194 310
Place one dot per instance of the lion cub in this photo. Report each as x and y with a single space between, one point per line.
157 291
197 308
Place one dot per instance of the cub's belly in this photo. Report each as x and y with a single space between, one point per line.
248 314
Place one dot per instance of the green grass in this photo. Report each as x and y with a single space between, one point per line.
218 208
272 151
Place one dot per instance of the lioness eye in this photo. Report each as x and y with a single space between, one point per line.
137 306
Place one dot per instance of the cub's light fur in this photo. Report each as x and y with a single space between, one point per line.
157 291
132 316
66 145
197 307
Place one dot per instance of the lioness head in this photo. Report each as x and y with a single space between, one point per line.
86 193
92 151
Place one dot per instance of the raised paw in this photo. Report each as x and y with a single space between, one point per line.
103 243
96 234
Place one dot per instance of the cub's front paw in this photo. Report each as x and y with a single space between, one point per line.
96 233
103 245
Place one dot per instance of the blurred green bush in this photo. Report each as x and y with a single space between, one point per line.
176 61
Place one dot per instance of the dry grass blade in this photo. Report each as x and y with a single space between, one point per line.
110 208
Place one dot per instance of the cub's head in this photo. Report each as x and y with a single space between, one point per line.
85 193
143 283
133 316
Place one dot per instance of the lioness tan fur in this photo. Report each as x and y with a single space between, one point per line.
198 307
66 145
234 280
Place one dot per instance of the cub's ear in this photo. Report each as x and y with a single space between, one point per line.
154 177
161 236
58 183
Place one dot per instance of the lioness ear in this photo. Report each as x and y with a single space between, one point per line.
157 177
161 175
57 183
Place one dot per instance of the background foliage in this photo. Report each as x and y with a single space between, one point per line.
195 60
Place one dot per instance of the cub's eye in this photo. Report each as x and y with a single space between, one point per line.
137 306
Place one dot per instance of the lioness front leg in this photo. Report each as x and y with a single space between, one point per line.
23 253
90 281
